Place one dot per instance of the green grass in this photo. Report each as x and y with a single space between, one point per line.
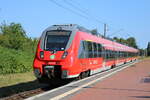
13 79
147 58
144 58
11 84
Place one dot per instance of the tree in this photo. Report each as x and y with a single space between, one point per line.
132 42
12 36
148 49
129 41
120 40
13 28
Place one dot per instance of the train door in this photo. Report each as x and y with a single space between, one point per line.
83 56
100 56
103 58
115 57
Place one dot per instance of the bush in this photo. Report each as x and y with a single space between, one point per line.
15 61
16 49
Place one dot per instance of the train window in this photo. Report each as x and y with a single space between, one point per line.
58 33
110 54
113 53
95 50
124 54
107 54
90 51
81 53
56 40
120 54
85 44
117 54
99 50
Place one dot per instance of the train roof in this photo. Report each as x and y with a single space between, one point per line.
107 43
112 45
70 27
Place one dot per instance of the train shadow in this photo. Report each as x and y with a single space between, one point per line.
26 86
17 88
141 97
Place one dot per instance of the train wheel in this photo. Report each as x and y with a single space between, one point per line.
113 66
83 75
88 73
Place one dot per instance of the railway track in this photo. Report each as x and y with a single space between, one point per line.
32 92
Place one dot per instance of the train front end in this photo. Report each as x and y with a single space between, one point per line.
54 50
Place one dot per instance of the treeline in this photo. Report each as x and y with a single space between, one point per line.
13 36
148 49
131 41
16 49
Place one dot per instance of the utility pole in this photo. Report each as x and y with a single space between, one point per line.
105 29
145 52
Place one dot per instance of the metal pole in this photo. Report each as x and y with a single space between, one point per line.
105 29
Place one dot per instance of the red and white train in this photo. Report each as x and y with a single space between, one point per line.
71 51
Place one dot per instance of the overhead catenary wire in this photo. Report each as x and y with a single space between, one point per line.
83 10
68 9
80 12
77 10
116 32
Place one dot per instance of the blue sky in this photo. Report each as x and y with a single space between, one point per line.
131 16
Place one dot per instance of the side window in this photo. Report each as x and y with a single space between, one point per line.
111 54
90 51
95 50
99 50
85 44
81 53
107 54
119 54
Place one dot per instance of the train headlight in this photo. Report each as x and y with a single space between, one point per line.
37 73
41 54
64 55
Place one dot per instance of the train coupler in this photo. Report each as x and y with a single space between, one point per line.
49 71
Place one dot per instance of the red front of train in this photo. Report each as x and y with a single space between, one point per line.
67 51
56 55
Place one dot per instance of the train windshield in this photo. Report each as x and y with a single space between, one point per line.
56 40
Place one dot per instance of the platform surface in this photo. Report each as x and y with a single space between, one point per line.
132 83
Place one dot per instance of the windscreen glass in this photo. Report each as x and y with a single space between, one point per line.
57 40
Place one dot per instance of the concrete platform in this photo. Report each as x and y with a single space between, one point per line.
132 83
